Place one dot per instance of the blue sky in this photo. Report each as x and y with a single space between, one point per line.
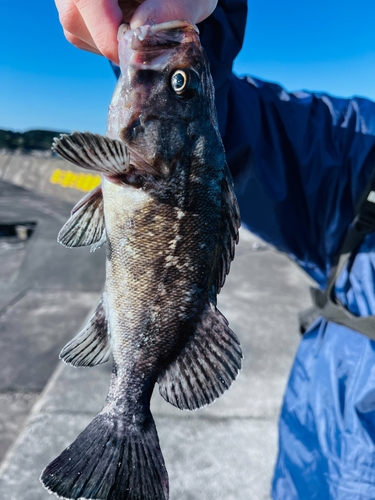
321 45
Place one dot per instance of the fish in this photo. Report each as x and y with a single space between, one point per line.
167 212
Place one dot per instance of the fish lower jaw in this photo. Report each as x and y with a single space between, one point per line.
149 30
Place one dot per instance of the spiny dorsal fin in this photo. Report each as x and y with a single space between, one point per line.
94 152
86 224
91 346
206 366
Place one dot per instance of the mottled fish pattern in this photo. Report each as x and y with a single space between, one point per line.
168 215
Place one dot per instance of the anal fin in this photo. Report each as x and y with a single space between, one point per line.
91 346
206 366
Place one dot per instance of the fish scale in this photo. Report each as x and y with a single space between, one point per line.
168 215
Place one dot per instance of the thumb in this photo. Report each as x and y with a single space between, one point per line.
159 11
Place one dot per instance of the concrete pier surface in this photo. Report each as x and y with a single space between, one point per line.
224 451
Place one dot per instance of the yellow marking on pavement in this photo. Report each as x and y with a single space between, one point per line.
74 180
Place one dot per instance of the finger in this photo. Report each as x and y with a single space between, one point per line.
102 19
80 44
206 10
128 7
160 11
75 29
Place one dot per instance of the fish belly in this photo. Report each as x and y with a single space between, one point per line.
154 283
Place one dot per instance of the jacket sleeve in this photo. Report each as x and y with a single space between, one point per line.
301 162
222 36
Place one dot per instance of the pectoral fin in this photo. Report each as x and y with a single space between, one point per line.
86 224
108 156
91 346
206 367
93 152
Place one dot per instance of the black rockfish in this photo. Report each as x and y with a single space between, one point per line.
167 211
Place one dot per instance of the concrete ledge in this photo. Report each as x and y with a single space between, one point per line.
51 176
225 451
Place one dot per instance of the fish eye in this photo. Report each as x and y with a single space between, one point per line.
178 81
185 82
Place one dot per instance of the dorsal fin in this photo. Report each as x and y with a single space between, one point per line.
93 152
86 224
90 346
205 367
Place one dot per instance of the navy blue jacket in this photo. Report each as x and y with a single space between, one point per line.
300 163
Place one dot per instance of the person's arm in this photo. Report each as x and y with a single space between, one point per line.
301 162
93 26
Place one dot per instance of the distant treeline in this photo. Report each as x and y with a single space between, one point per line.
27 141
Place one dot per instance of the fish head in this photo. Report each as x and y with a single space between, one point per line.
164 100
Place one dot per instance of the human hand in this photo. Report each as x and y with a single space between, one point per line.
92 25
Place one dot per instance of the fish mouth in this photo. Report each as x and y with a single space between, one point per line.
168 25
154 29
152 38
147 56
147 30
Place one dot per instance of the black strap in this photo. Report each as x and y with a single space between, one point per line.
307 317
325 302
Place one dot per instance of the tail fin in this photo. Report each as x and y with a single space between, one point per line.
110 461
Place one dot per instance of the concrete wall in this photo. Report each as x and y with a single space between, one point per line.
50 176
